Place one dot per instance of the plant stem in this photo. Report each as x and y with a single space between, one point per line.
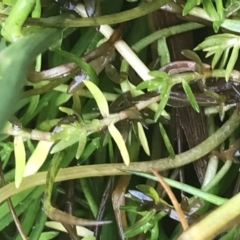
116 169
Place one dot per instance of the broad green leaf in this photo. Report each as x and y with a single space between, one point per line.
18 58
37 158
99 97
81 144
20 159
167 142
65 143
165 92
232 61
190 95
149 191
116 135
143 139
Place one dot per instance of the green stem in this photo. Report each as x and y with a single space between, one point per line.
60 22
186 188
117 169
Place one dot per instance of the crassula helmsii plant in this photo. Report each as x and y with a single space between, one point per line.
82 97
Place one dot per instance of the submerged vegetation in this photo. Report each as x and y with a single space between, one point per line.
119 119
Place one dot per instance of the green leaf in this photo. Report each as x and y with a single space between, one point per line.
82 64
65 143
167 142
12 27
165 92
194 57
99 97
20 159
189 6
217 56
159 74
140 226
48 235
18 58
116 135
150 85
232 61
149 191
37 158
190 95
213 14
81 144
143 139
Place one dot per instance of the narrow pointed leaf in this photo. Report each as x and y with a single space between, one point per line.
165 92
232 61
99 97
149 191
65 143
116 135
189 6
167 142
81 231
216 57
81 144
143 139
37 158
190 95
194 57
20 159
159 74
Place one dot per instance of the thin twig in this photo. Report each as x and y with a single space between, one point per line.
173 199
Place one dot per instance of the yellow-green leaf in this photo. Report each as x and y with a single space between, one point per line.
116 135
81 231
143 139
37 158
20 159
81 144
99 97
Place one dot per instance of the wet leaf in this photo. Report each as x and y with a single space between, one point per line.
99 97
116 135
20 159
190 95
